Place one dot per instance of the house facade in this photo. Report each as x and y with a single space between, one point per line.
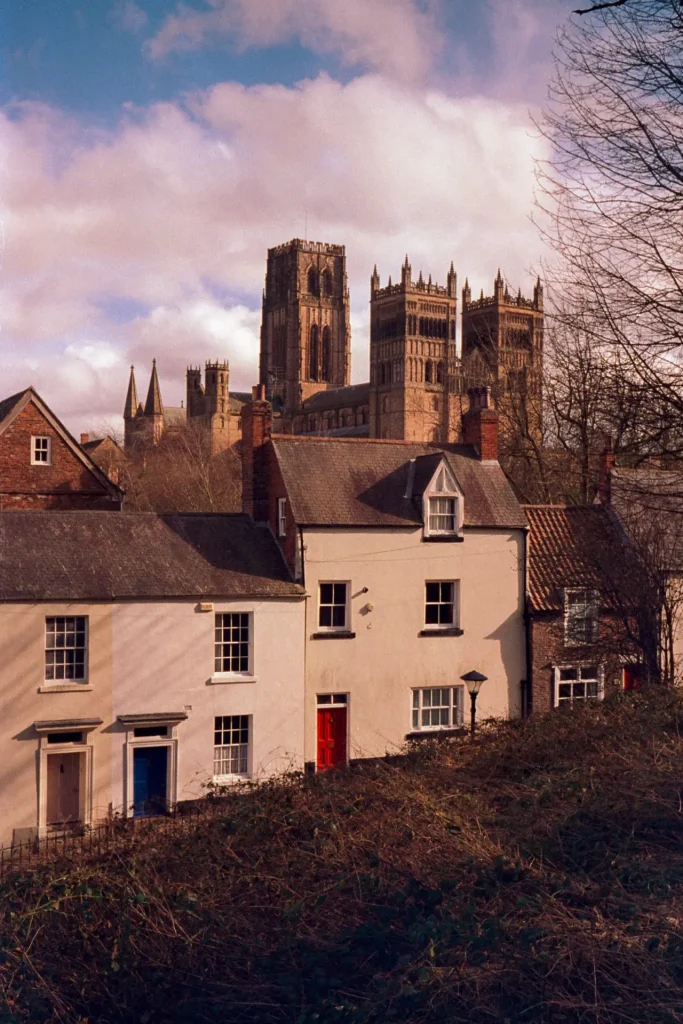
42 466
400 547
144 658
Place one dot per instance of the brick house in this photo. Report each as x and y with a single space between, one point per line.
412 556
577 643
42 466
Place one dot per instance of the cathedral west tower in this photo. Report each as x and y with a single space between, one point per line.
305 326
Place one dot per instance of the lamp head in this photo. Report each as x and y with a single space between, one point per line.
474 680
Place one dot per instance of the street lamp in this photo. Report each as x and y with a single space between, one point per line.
474 680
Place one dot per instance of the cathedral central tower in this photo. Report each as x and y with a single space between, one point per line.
305 326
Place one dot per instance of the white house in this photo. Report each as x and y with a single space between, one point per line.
142 657
412 557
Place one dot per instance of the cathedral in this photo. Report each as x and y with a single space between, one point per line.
418 383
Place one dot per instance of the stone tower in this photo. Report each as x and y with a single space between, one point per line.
502 346
414 392
305 327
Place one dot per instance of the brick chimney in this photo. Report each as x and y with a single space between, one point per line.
607 461
257 420
85 438
480 424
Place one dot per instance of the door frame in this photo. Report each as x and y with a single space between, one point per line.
133 742
342 701
85 749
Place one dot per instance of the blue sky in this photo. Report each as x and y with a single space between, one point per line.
150 154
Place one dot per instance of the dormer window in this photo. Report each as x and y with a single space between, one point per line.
442 505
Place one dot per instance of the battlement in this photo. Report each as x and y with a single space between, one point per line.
422 287
318 248
488 301
208 365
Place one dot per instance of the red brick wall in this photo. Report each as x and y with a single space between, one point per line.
548 649
480 428
65 484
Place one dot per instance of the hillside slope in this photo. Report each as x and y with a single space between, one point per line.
533 876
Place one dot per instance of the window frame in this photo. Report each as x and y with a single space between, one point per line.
592 602
456 708
227 777
454 604
599 676
442 486
282 517
66 681
34 450
237 674
345 628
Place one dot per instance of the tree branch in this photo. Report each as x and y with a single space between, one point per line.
601 7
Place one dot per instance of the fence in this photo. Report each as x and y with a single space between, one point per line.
83 841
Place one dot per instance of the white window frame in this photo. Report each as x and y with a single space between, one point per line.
35 461
67 684
456 707
557 701
455 624
282 517
224 779
442 486
235 675
347 610
591 602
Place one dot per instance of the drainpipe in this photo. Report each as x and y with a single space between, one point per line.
526 694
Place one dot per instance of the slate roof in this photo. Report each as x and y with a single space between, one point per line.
564 544
351 482
84 556
338 398
648 502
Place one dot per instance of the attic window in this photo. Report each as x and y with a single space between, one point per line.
41 451
443 507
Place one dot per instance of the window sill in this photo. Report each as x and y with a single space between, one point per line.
437 734
230 677
65 688
443 539
449 631
334 634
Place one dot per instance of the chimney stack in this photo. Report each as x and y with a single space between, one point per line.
85 438
257 421
607 461
480 424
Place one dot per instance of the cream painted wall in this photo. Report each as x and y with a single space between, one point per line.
387 658
147 657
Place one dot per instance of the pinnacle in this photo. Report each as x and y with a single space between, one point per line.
131 406
154 406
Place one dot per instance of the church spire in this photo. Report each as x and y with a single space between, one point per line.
131 406
154 406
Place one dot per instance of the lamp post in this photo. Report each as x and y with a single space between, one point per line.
474 680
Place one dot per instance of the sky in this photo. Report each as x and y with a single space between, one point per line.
151 153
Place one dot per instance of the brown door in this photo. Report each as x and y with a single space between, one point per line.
63 788
331 737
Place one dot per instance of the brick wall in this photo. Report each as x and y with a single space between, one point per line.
66 483
548 649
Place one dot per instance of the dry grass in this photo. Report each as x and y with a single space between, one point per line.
534 876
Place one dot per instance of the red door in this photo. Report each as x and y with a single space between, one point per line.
331 737
633 677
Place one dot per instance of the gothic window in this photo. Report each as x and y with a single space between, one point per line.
313 354
313 281
388 373
327 283
422 325
280 346
452 330
365 416
429 372
385 404
327 354
439 373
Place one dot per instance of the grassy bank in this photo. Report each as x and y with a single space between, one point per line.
535 875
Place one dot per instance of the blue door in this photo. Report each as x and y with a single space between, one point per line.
150 769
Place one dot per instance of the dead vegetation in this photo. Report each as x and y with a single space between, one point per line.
532 876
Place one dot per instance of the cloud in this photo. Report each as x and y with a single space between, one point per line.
129 16
150 239
395 37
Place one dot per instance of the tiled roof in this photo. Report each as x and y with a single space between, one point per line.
645 497
353 482
89 556
338 398
7 404
564 542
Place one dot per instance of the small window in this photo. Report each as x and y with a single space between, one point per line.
41 451
231 745
439 708
580 617
333 606
65 737
324 699
580 682
65 648
232 642
442 512
282 517
440 604
142 731
441 509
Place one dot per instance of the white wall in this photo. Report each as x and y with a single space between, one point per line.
387 658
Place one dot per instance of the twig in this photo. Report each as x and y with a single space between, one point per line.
601 7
